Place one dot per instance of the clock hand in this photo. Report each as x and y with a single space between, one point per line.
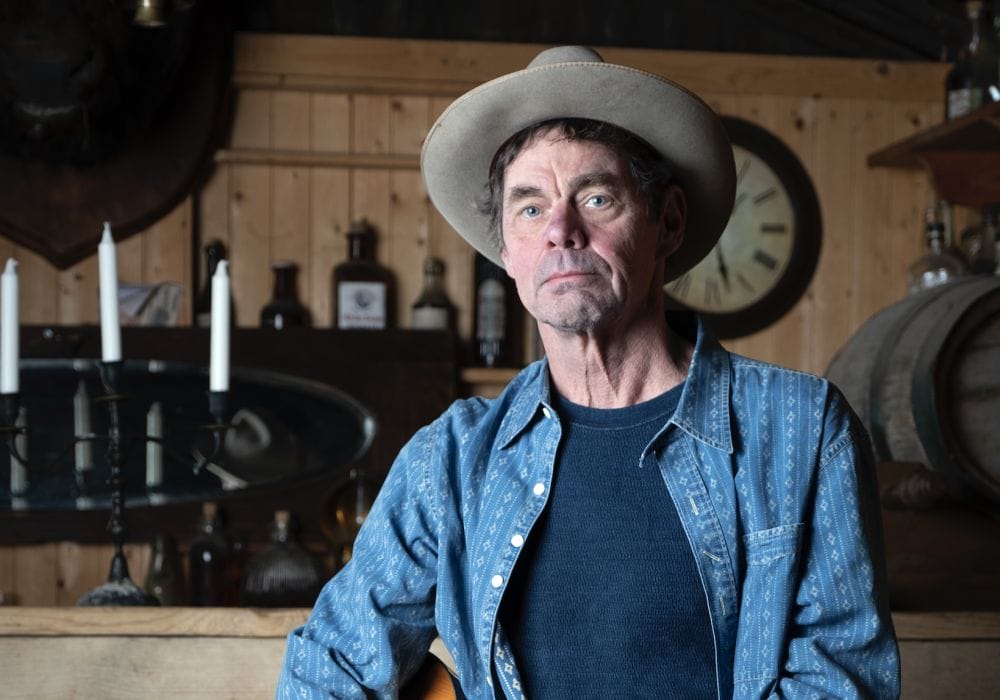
739 198
723 270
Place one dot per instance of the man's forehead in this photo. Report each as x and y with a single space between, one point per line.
568 157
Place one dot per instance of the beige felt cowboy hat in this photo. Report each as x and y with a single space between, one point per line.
574 81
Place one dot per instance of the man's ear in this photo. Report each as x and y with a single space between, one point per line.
673 219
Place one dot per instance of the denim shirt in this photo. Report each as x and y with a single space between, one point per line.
768 468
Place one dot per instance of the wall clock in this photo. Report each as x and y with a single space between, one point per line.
767 254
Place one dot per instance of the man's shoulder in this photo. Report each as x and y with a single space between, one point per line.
520 394
750 372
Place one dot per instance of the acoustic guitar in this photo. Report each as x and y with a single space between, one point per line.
433 681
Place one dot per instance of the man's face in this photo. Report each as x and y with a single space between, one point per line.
578 239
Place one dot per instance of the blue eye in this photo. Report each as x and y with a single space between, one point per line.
597 200
531 211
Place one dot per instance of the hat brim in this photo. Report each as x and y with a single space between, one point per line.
459 148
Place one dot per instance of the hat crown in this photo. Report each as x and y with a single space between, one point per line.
566 54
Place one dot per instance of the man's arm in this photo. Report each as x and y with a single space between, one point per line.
842 643
374 621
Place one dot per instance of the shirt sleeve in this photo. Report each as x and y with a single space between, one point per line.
842 643
374 621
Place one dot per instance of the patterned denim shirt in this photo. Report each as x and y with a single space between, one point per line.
773 480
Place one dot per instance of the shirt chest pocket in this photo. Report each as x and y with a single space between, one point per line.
768 598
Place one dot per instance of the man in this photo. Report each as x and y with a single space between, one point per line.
641 514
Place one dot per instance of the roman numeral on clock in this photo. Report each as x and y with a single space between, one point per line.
768 261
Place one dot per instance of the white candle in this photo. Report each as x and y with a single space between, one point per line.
218 374
9 350
154 450
111 339
82 449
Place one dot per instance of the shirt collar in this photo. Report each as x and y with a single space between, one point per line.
703 411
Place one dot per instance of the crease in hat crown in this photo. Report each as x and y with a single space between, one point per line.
576 82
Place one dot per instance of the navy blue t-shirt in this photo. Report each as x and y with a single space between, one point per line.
605 600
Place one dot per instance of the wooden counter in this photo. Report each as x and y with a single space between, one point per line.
218 653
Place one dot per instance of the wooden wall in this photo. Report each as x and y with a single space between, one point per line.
327 130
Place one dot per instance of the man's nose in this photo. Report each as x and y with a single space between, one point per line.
565 229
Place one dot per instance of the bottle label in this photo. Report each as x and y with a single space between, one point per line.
429 318
361 305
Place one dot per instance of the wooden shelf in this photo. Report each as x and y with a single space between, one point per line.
962 156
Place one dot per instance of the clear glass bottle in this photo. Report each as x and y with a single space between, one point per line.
284 309
974 80
980 244
208 560
283 574
214 252
497 316
364 292
938 265
164 580
433 309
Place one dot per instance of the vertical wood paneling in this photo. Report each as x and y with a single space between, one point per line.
38 283
252 121
290 113
408 233
249 237
456 253
330 122
370 124
833 286
330 206
78 293
290 221
873 261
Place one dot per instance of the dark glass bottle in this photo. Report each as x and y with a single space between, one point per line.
284 309
974 80
164 580
208 560
283 574
498 317
364 292
214 252
433 309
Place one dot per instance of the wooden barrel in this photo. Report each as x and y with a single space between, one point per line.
924 376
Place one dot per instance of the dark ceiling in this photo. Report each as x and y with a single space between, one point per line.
883 29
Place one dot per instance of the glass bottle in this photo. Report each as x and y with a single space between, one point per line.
938 265
283 574
163 579
498 316
364 292
214 252
974 80
284 309
433 309
980 244
208 560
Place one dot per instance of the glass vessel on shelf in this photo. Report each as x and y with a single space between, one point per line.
284 573
937 265
433 309
974 80
284 309
364 292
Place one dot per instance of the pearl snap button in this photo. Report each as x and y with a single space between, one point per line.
517 540
497 581
539 488
546 412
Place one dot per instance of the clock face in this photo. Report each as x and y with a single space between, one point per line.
767 254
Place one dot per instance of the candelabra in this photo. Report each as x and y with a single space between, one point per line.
119 589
